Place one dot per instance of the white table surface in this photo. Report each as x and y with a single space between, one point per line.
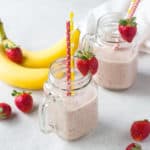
37 24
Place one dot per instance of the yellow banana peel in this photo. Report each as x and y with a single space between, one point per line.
19 76
33 72
44 58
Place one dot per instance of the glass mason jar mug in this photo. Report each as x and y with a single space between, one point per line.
68 116
117 58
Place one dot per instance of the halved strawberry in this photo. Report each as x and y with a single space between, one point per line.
128 28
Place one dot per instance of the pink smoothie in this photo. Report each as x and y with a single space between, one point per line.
77 115
117 68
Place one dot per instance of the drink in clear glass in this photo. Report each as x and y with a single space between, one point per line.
71 117
117 58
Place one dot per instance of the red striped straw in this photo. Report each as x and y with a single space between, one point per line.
68 60
133 6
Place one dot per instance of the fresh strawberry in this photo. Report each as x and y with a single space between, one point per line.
93 65
83 66
128 29
14 54
5 111
134 146
86 62
23 101
140 130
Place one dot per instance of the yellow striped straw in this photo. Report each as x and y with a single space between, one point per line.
132 8
71 16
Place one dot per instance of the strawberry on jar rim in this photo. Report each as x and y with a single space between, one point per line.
93 65
23 101
86 62
5 111
83 66
128 28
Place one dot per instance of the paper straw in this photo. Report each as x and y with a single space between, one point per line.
68 59
132 8
71 15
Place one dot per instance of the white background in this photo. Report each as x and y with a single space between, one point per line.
37 24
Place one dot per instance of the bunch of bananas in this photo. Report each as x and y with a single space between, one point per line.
33 71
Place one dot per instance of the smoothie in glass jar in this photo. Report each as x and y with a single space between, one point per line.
117 58
70 117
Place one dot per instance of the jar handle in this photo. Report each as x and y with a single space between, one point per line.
46 125
87 41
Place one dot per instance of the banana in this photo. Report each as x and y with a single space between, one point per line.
43 58
20 76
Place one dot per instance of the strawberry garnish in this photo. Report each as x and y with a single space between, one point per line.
93 65
23 101
5 111
86 62
134 146
14 53
140 130
128 28
83 66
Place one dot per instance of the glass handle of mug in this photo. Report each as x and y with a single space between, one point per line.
87 41
46 125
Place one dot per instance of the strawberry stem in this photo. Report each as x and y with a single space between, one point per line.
16 93
10 45
2 32
128 22
137 147
27 92
84 54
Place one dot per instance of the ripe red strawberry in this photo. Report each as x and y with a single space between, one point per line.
140 130
87 62
5 111
93 65
128 29
23 101
83 66
14 54
134 146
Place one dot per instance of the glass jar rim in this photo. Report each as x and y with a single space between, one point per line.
107 30
56 81
108 14
103 22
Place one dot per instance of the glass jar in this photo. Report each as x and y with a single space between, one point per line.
117 58
73 116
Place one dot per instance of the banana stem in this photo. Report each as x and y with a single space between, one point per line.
2 32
